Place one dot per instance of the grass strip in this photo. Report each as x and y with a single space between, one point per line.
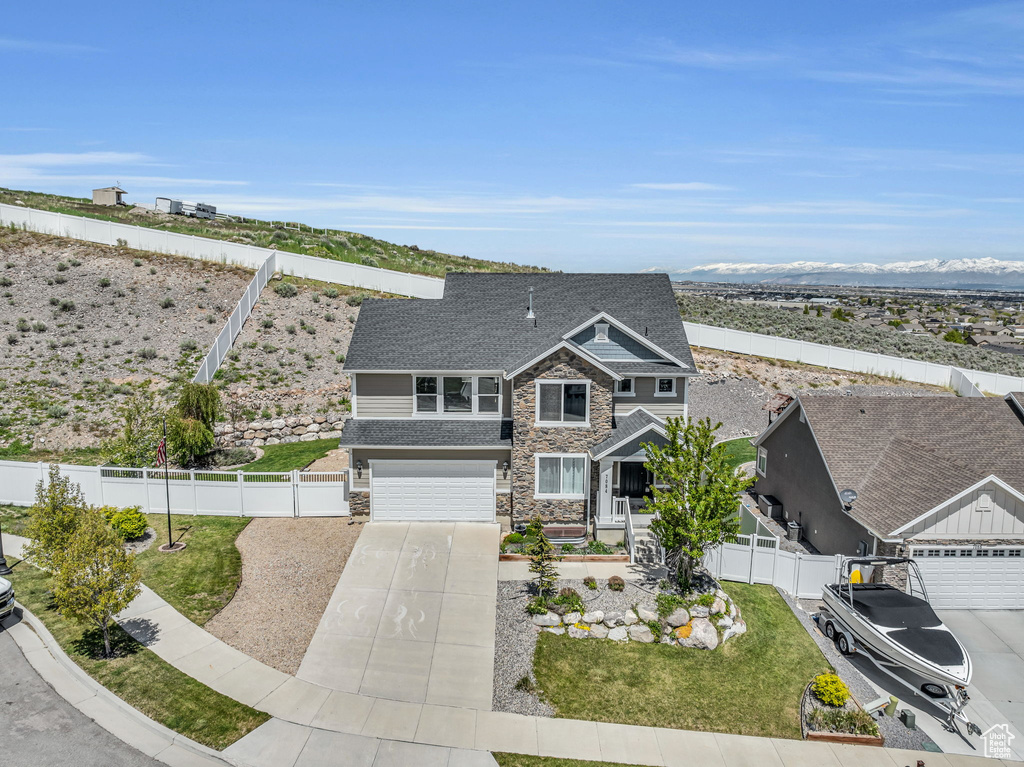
740 451
296 455
137 675
750 686
522 760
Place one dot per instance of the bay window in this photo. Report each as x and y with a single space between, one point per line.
560 476
563 403
457 395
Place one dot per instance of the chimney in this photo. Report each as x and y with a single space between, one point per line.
529 314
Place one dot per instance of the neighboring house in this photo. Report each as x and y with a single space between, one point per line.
514 395
937 478
108 195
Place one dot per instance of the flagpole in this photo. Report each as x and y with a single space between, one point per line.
167 485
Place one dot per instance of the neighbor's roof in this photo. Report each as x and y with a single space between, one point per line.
624 428
906 455
480 323
401 432
109 189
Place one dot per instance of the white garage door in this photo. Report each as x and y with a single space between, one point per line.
965 578
425 491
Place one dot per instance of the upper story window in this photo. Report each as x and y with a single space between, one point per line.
563 403
626 387
458 395
665 387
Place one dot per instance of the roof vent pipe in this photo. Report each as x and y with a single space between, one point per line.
529 314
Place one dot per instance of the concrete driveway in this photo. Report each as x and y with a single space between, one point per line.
412 617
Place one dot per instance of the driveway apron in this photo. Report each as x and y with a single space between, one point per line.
412 617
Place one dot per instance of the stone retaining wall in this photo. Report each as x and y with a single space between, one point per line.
284 430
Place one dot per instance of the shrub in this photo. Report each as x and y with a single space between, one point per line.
316 298
152 270
537 606
356 299
570 600
369 261
331 293
22 325
599 547
57 411
590 582
615 583
830 690
189 345
39 327
340 358
74 262
146 353
668 604
655 628
129 523
856 722
6 281
137 262
268 323
329 317
568 548
167 303
104 282
705 600
60 279
66 306
286 290
61 266
525 684
12 338
514 538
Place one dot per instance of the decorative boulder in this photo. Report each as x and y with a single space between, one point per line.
718 606
641 632
597 631
699 611
572 618
578 633
733 612
611 620
618 634
703 635
646 614
737 628
555 630
596 616
630 618
724 622
547 619
679 617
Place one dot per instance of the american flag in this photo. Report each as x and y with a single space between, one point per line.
161 453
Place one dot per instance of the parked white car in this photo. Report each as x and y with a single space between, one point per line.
6 598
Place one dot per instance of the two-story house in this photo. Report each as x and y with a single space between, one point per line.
514 395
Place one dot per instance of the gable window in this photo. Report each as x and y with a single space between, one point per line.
762 461
457 395
560 476
665 387
601 332
563 403
625 387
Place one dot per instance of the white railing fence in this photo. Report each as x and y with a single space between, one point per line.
630 534
966 382
225 493
757 559
206 249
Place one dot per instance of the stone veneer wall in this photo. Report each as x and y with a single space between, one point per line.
359 504
294 428
529 439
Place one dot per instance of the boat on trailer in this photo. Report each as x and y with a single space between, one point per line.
898 629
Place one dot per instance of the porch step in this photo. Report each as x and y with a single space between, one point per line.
646 550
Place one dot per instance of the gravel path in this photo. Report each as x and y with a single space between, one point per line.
289 570
335 460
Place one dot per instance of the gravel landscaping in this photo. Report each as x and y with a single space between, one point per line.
289 570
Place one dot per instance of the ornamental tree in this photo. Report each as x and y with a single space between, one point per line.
696 495
141 420
53 519
191 421
542 559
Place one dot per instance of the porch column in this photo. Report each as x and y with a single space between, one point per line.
604 491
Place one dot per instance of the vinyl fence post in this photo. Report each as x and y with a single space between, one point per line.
241 494
296 507
99 484
796 575
145 487
753 550
195 492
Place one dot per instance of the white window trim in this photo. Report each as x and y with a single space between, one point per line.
440 413
601 333
762 452
560 496
585 424
672 393
632 386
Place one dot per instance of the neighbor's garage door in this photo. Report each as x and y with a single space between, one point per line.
965 578
425 491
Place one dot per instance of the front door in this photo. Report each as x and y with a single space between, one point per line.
632 479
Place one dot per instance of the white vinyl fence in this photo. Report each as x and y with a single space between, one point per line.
968 383
758 559
224 493
250 256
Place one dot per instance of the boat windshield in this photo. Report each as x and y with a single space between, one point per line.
887 606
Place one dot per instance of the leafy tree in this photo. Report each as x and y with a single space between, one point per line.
807 309
954 336
96 578
141 422
191 421
542 559
696 499
818 313
839 314
53 520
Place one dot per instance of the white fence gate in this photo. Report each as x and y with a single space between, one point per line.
226 493
758 559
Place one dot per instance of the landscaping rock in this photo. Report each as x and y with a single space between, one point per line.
737 628
611 620
703 635
595 616
555 630
578 633
725 622
733 612
646 614
597 631
678 617
718 606
571 618
547 619
618 634
699 611
630 618
641 633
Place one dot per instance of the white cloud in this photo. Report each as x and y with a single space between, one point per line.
71 159
685 186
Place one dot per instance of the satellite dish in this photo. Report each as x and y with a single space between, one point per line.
848 496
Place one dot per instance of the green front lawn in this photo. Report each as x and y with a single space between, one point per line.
13 519
137 675
296 455
740 451
199 581
751 686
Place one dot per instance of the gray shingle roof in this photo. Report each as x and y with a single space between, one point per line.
480 323
394 432
624 428
906 455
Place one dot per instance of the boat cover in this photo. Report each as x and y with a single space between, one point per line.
889 607
939 647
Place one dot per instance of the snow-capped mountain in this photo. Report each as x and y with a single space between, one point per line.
974 273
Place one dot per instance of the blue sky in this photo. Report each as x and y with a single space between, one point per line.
601 136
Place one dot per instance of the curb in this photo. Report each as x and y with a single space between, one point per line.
163 744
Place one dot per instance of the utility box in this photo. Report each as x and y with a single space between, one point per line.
770 506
